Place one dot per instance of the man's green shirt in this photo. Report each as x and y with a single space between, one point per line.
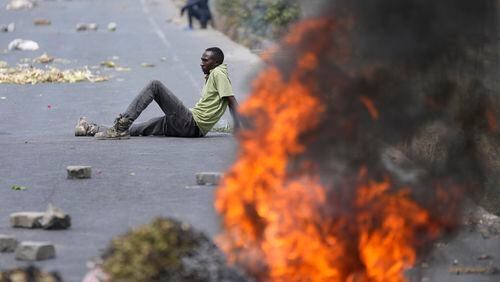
211 106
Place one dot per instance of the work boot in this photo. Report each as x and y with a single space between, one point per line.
85 128
118 131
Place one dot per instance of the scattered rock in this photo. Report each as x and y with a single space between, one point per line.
93 26
21 4
42 22
112 26
55 219
3 65
23 45
34 251
147 65
8 244
85 27
455 261
26 219
208 178
81 27
11 27
79 172
29 274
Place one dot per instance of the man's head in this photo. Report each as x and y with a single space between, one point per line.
211 58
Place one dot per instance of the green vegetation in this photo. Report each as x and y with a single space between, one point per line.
29 273
252 21
18 187
152 252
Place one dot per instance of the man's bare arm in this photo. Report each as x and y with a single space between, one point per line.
233 108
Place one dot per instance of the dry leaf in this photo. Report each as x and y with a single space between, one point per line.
122 69
44 59
41 22
31 75
108 64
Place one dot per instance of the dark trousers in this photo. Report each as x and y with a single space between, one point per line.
202 15
178 120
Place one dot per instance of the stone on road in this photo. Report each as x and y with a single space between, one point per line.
208 178
8 243
34 251
79 171
55 219
26 219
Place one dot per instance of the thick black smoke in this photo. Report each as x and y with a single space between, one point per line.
425 67
408 93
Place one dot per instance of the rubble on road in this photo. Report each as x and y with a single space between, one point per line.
112 26
208 178
31 75
55 219
11 27
79 172
8 244
35 251
86 27
23 45
26 219
29 274
21 4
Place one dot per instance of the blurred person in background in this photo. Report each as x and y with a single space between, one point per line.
199 10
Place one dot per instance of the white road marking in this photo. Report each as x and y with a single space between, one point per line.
194 82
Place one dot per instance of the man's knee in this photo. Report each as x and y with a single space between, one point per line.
155 83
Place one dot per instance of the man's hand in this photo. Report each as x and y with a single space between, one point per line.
233 108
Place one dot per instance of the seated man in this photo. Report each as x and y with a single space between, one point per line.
178 121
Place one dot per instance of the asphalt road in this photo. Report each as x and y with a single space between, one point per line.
134 180
138 179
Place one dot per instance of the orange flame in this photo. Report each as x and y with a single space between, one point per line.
274 220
